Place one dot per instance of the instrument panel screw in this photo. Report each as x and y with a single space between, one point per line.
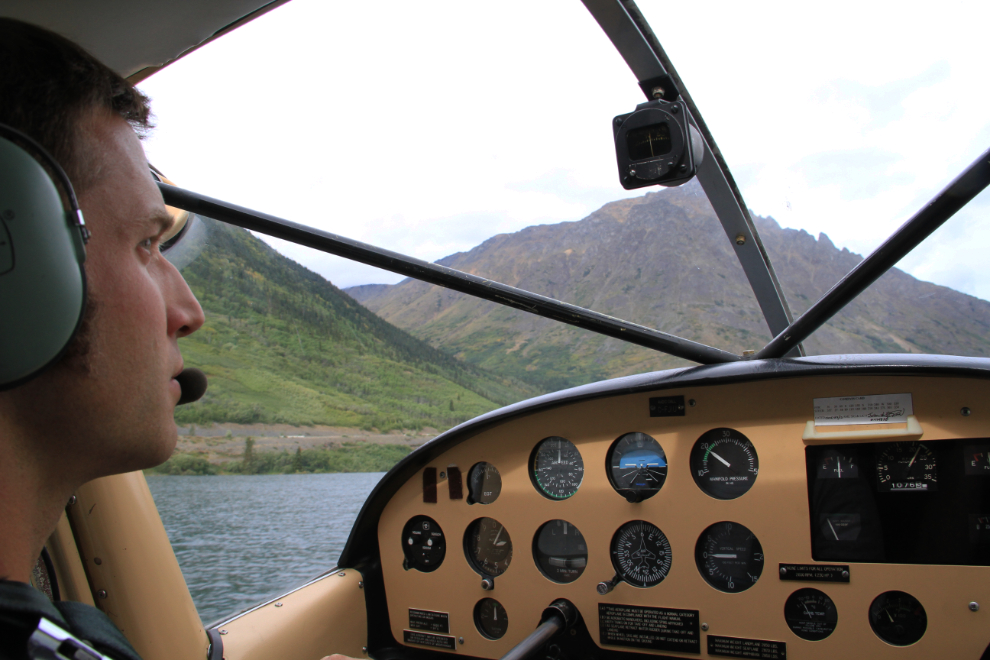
72 500
460 640
657 93
573 631
783 571
632 171
278 604
364 650
692 403
223 632
704 626
974 607
97 561
965 412
740 240
845 574
443 475
360 585
102 593
342 574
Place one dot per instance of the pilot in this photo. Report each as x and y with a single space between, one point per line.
106 405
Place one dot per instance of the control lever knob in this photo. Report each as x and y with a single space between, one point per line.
608 585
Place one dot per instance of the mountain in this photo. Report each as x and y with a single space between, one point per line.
663 260
283 345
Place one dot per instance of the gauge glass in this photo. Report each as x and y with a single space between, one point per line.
556 468
811 614
977 460
488 546
423 544
904 467
724 463
729 557
490 618
898 618
835 464
641 554
560 551
637 466
484 483
841 526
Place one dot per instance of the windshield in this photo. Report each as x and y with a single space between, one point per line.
430 139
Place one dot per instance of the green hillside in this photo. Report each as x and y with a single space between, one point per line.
283 345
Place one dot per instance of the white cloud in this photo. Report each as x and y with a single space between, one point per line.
427 128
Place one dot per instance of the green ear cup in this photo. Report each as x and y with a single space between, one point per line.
42 281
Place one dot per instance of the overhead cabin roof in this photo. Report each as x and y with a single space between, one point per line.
138 37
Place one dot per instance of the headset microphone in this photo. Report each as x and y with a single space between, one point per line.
193 384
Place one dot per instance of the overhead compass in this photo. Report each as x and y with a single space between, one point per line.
556 468
637 466
724 463
640 554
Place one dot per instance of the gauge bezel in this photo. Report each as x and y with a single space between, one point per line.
711 438
412 561
471 499
894 449
621 574
634 494
810 591
706 571
473 562
902 641
477 619
532 469
538 554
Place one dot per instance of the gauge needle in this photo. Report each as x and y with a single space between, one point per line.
839 463
726 556
723 461
887 612
832 528
805 605
913 458
494 612
495 542
558 456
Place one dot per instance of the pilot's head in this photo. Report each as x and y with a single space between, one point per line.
106 405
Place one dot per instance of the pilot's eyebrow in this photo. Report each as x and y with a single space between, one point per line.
163 221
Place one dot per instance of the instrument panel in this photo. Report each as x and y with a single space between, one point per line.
702 533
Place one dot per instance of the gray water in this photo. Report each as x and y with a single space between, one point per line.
243 539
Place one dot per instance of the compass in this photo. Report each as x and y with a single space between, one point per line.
640 554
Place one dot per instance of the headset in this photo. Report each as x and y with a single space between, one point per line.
42 251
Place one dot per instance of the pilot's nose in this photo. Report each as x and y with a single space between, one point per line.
185 316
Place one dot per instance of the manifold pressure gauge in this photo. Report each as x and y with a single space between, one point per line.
656 145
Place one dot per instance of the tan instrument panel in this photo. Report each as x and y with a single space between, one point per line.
683 614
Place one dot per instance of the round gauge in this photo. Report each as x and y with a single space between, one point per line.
810 614
905 467
560 551
724 463
729 557
490 618
484 483
836 464
423 544
640 554
556 468
898 618
637 466
488 546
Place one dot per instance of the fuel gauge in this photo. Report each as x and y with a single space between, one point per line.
977 460
836 464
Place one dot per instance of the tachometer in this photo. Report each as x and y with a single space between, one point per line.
556 468
724 463
810 614
729 557
905 467
560 551
640 554
637 466
488 546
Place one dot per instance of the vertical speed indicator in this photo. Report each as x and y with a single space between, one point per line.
724 463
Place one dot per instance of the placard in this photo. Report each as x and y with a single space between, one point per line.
654 628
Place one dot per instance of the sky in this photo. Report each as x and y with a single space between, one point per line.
427 128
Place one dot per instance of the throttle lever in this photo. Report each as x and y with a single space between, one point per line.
559 616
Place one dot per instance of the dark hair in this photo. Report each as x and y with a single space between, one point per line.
49 84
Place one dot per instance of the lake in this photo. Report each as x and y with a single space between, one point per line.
243 539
